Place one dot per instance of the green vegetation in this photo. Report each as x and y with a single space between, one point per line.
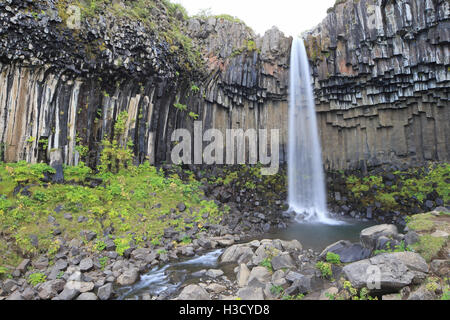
397 248
36 278
267 263
429 247
118 153
163 18
412 184
325 269
135 202
333 258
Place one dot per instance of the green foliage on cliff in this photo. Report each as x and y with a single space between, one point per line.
161 17
117 154
414 183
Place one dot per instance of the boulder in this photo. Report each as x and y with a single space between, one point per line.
86 264
251 293
129 277
194 292
370 235
283 261
214 273
242 275
387 273
237 254
87 296
105 292
347 251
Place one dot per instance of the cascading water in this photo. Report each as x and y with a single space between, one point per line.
306 193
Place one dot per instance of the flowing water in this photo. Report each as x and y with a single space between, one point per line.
166 281
306 194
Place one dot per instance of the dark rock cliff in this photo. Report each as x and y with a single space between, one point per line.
381 74
382 80
64 88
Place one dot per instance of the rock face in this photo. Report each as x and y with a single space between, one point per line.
381 81
380 70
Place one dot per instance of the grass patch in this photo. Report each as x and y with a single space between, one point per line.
429 247
135 203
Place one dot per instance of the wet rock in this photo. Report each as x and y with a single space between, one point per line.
347 251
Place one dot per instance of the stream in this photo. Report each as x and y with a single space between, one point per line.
165 281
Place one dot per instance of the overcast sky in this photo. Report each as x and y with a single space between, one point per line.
291 16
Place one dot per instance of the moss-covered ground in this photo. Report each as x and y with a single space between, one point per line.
136 204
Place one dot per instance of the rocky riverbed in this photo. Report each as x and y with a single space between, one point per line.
229 267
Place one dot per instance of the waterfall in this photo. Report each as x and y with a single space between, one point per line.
307 196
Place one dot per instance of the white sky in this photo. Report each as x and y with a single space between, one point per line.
291 16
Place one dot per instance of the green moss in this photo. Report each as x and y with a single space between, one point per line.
429 247
421 222
135 202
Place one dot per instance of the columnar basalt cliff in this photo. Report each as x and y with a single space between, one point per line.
382 82
62 88
381 71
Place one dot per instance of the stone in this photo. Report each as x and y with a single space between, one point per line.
216 288
283 261
41 263
22 267
214 273
242 275
370 235
396 271
411 238
181 207
105 292
51 288
9 285
68 216
392 297
422 293
293 245
261 274
16 295
87 296
347 251
237 254
28 294
251 293
440 267
129 277
194 292
86 264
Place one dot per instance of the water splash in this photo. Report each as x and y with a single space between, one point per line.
306 195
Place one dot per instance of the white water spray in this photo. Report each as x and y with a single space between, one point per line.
306 193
